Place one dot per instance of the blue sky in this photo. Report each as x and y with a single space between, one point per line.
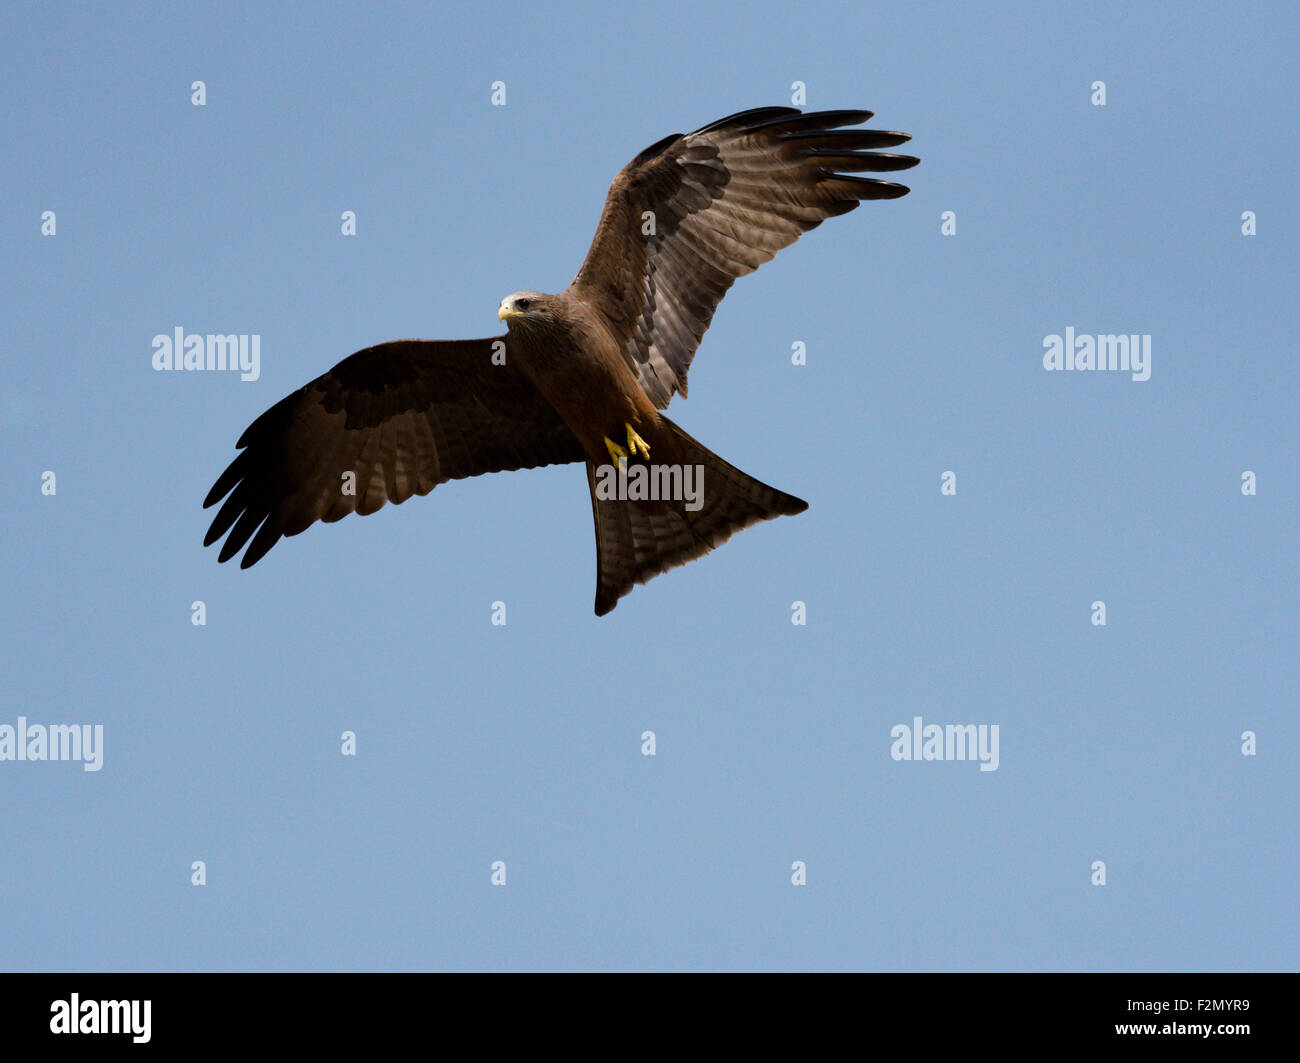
478 743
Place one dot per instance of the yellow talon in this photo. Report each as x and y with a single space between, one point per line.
617 454
635 443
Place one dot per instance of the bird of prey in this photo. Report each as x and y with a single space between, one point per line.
580 376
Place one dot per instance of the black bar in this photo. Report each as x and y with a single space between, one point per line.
337 1011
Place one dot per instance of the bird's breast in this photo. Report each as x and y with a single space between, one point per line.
590 385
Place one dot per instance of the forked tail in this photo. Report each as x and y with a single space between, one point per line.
656 514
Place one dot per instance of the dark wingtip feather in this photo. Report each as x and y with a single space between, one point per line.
227 480
791 124
248 522
752 118
852 162
221 523
852 139
869 187
267 536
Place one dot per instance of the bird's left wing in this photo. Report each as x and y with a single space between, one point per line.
692 213
387 423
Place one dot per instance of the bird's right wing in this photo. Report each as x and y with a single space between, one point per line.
691 214
387 423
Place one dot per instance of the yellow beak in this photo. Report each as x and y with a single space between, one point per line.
506 312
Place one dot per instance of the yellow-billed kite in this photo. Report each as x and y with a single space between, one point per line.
579 376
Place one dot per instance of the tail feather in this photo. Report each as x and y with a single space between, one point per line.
636 539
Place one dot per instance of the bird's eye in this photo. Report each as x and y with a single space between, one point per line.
523 304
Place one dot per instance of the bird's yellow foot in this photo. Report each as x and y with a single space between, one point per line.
617 454
635 443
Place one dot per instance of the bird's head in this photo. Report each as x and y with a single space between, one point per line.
525 308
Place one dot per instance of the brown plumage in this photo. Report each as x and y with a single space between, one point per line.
578 372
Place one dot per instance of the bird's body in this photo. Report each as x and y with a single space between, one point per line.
585 372
579 369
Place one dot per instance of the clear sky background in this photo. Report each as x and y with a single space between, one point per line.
478 743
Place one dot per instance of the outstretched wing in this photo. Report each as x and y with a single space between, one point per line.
721 201
401 417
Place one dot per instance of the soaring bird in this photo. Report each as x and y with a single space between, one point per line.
579 376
